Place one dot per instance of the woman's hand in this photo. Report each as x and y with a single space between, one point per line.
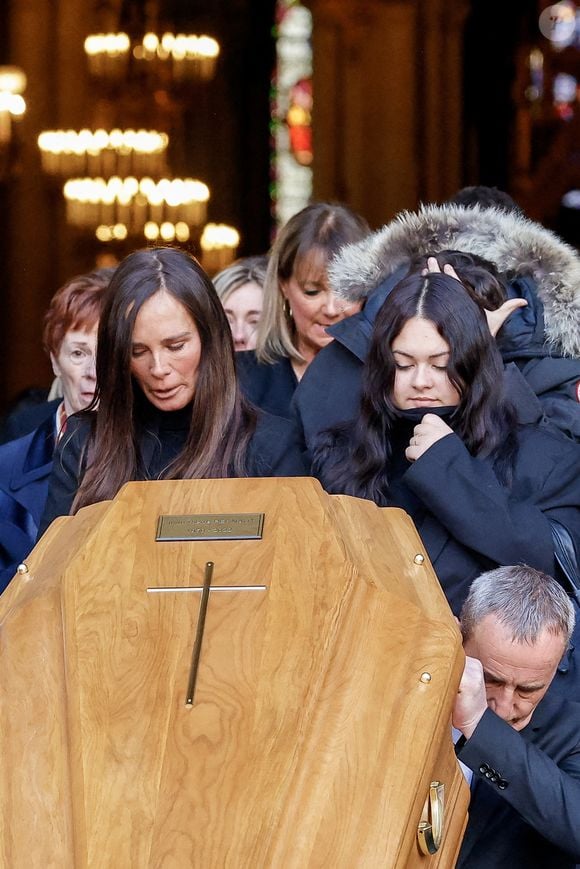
495 319
433 266
430 430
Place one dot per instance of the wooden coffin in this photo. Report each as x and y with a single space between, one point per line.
322 696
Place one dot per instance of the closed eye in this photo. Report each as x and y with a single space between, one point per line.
490 680
174 348
527 692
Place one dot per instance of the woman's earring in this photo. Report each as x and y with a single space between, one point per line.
288 309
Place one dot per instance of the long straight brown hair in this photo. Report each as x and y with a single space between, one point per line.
221 423
321 228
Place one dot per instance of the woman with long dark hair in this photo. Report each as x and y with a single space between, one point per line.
436 436
167 403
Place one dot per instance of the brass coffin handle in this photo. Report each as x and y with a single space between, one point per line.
430 829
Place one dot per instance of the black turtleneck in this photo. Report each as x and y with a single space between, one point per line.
273 451
165 435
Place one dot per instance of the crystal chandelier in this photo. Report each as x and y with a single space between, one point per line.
121 207
186 56
103 153
219 243
118 182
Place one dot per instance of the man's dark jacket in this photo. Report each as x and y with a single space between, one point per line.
525 802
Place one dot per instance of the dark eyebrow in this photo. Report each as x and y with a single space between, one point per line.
171 340
179 337
432 356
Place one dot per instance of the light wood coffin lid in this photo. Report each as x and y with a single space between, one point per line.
312 739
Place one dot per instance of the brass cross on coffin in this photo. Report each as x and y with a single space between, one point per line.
205 590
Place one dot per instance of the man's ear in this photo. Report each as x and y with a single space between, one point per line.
55 365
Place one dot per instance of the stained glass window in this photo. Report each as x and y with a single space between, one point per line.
291 182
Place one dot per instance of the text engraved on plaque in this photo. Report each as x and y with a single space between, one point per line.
210 526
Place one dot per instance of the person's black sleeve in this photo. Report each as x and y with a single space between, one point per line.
66 473
508 526
276 449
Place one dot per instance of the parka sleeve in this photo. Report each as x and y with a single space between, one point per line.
506 525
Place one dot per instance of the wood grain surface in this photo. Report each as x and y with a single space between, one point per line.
312 739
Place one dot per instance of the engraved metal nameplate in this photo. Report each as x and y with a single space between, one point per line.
211 526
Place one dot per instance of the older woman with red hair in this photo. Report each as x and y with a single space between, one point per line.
70 340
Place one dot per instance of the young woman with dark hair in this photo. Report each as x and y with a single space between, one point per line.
436 436
168 401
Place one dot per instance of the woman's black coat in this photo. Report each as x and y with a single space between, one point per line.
273 452
470 523
269 386
540 341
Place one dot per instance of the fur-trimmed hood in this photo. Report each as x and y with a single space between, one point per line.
518 247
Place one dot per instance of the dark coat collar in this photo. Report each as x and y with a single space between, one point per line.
33 459
355 332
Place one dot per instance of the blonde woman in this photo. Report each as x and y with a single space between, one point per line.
298 303
239 288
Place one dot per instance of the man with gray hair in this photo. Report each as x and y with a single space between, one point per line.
522 743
